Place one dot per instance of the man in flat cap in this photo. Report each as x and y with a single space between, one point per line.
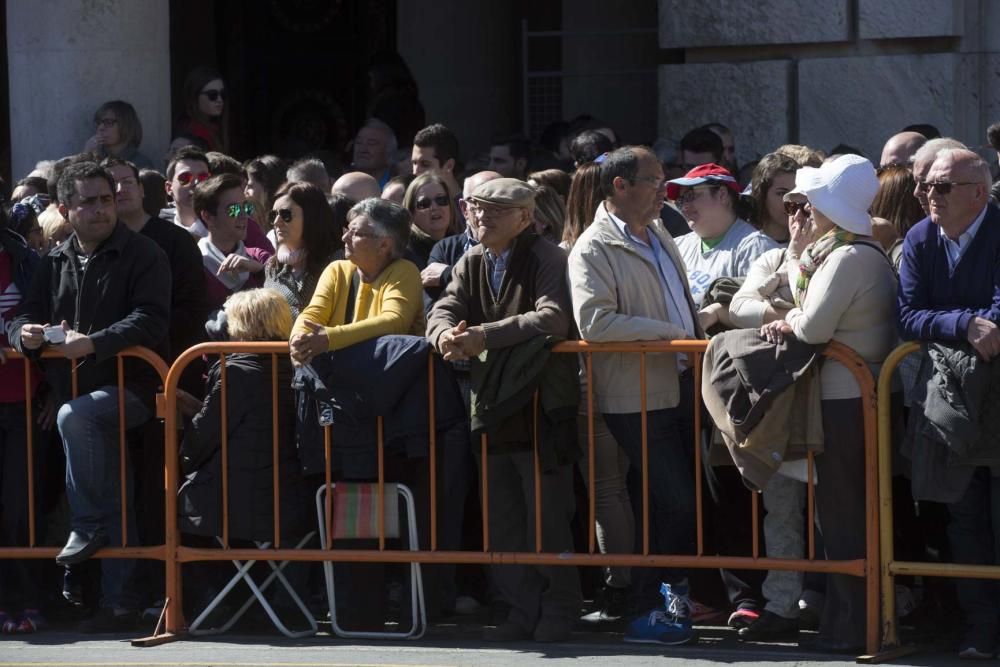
508 301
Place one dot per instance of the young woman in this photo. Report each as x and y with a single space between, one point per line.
431 202
205 109
117 133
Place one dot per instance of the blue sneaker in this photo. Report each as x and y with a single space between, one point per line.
670 626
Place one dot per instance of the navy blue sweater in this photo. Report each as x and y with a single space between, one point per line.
936 304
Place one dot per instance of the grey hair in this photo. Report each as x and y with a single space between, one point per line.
391 144
929 151
974 161
390 219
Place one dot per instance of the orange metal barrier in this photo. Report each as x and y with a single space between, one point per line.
32 550
176 555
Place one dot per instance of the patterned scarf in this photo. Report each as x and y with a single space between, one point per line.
814 256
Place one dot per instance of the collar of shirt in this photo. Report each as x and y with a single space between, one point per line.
956 249
625 230
502 257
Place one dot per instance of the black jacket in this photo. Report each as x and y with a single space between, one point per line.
448 251
24 262
250 455
349 388
188 306
121 299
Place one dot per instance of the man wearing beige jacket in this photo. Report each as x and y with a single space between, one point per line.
628 283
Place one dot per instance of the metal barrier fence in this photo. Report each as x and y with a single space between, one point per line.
176 555
890 567
32 550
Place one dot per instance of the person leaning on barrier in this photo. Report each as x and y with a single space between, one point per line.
372 293
949 291
629 284
507 297
105 288
843 286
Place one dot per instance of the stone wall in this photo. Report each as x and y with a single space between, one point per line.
822 72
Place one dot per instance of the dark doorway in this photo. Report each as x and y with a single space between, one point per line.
296 70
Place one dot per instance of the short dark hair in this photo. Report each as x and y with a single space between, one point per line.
391 219
441 139
112 161
993 135
192 153
36 182
718 128
702 140
58 167
154 197
622 162
518 144
340 205
207 194
220 163
929 131
129 127
268 169
588 146
81 171
318 231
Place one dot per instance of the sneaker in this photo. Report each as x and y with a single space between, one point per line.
977 644
670 626
29 622
742 618
611 606
702 614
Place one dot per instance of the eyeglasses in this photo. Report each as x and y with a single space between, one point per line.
484 212
284 213
353 231
658 183
424 203
690 195
106 123
942 187
233 210
793 207
186 177
214 95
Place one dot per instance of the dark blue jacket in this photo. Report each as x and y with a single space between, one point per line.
349 388
933 302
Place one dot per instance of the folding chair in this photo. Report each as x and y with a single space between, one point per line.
355 516
243 573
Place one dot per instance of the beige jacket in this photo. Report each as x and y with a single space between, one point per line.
617 297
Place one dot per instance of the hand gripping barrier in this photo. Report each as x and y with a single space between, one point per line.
177 555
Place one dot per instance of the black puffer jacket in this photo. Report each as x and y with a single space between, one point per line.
250 455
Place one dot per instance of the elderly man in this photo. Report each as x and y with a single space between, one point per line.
901 148
629 284
374 150
923 159
356 186
949 291
104 289
507 299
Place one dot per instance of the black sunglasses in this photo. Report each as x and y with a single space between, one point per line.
284 213
943 188
424 203
793 207
214 95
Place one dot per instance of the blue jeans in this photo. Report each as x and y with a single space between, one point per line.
88 425
670 444
974 534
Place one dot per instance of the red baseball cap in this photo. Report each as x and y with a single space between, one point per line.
703 173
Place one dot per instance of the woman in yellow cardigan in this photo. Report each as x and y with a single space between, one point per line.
383 290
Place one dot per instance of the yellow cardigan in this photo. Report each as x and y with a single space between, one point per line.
393 304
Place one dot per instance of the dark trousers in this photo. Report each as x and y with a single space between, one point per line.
534 592
671 485
974 533
840 502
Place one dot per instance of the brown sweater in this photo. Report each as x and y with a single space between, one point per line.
534 296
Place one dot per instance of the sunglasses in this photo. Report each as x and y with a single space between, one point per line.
233 210
187 177
943 187
284 213
424 203
793 207
214 95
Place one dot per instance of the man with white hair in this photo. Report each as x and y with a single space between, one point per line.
922 161
900 149
374 150
948 292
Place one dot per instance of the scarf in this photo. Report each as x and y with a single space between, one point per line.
213 258
814 256
293 258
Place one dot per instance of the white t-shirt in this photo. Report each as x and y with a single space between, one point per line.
730 258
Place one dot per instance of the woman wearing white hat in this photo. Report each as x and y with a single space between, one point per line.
844 289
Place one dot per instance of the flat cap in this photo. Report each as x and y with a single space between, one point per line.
508 192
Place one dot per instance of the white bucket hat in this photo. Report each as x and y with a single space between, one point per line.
842 190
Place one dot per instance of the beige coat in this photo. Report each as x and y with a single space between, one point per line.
617 297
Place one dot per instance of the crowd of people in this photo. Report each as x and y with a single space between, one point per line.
489 263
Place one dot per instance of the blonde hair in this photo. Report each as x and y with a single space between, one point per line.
258 315
55 228
805 156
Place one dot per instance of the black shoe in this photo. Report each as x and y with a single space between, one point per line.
107 621
80 546
612 605
73 587
769 627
